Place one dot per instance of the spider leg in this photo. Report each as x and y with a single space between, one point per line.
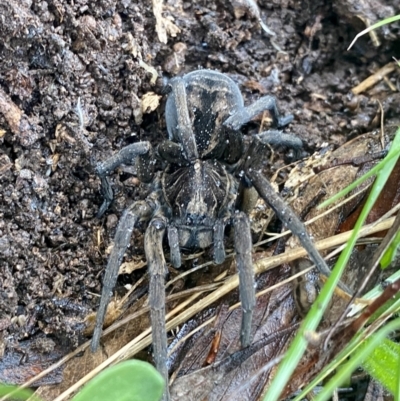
233 147
277 139
138 210
289 218
243 248
244 115
247 196
125 156
173 241
157 272
219 249
171 152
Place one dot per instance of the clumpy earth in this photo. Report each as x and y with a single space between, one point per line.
81 79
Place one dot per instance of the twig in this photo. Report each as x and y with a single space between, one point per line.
374 78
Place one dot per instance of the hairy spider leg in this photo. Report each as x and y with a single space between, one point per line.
277 139
246 114
219 236
243 249
126 155
157 273
173 242
283 211
137 211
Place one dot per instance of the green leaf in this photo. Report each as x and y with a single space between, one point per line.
383 363
346 361
131 380
17 393
357 359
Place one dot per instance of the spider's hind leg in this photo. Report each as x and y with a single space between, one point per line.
137 211
283 211
126 155
244 115
277 139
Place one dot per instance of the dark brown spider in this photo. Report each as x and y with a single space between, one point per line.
211 181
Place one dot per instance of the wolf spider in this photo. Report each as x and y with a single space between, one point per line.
211 180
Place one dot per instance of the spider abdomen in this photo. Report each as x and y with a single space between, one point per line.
211 98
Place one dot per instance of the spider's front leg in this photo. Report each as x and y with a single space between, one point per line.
243 249
126 155
140 210
157 272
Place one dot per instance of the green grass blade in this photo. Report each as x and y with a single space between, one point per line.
340 359
299 344
375 26
393 154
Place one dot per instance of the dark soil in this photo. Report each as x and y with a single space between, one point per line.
72 77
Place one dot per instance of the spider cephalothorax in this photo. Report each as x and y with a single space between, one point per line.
211 180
